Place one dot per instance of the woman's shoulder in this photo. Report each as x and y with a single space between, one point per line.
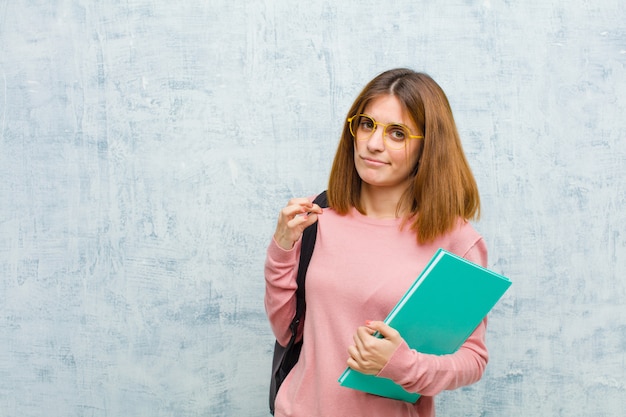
461 239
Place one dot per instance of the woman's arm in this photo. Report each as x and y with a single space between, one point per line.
280 288
281 264
427 374
431 374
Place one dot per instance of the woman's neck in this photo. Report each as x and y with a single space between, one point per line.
380 203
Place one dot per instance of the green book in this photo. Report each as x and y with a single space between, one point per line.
441 309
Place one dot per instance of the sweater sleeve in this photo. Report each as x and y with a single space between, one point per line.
280 288
430 374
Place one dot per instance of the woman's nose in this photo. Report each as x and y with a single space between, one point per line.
377 140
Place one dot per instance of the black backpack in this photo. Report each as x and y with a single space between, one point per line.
285 357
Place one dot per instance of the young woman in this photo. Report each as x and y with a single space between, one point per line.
399 189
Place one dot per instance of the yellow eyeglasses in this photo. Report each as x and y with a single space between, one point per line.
395 135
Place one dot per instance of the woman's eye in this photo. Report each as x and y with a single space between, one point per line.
367 124
397 133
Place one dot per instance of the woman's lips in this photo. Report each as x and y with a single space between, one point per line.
373 161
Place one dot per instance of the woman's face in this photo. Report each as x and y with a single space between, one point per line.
377 163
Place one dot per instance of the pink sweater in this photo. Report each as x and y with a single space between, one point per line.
360 268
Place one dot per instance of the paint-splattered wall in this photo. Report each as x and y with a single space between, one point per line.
147 146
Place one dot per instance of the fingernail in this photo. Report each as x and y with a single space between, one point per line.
368 322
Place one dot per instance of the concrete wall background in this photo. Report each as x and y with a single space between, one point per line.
147 146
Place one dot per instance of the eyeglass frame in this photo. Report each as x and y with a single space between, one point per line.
384 125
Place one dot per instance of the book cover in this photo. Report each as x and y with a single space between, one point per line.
436 315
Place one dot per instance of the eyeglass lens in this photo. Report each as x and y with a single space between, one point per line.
363 127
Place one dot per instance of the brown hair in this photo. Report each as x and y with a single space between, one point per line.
443 188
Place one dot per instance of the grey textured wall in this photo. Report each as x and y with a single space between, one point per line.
147 146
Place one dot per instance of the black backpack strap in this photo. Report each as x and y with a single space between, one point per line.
306 252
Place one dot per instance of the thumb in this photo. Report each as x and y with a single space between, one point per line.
384 329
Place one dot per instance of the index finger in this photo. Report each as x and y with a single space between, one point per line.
297 206
300 201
